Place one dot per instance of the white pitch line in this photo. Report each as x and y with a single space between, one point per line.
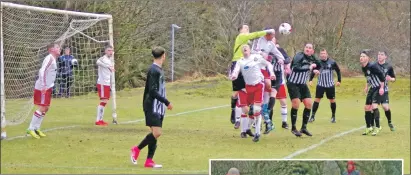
301 151
127 122
100 168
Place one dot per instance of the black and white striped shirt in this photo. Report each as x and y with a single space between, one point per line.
388 71
154 99
300 67
326 77
374 75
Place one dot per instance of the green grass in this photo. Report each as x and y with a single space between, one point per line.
190 139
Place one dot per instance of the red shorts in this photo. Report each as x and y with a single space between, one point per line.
42 99
253 95
265 73
281 92
103 91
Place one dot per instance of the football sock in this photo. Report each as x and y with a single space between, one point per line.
152 149
284 113
377 117
315 108
100 111
238 112
372 119
147 140
37 116
244 123
258 124
39 121
306 116
333 108
271 106
388 115
250 121
293 117
368 118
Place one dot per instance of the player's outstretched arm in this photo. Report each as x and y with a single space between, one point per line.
255 35
153 85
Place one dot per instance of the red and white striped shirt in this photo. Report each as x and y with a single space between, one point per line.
47 73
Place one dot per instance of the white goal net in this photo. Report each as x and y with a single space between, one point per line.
25 33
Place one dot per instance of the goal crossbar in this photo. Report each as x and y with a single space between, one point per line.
49 10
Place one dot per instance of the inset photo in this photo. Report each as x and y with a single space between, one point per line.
306 166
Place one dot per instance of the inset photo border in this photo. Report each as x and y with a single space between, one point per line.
306 166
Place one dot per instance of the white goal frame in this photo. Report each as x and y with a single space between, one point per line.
52 11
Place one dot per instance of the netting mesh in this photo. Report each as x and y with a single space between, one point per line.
26 34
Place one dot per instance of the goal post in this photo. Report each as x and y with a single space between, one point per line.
25 32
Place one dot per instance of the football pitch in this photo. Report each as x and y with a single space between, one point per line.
198 129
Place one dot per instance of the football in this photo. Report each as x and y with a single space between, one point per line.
74 61
285 29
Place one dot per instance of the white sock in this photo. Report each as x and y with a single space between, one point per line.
244 124
238 112
3 134
284 113
39 121
35 119
100 113
258 124
266 97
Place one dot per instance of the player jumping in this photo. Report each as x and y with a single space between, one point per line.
43 90
105 69
243 38
268 49
302 64
250 66
154 104
326 84
389 76
375 80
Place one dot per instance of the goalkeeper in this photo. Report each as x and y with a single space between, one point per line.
66 63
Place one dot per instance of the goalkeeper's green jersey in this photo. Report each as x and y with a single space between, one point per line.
242 39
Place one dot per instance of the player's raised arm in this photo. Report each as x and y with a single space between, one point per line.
254 35
101 63
153 85
287 59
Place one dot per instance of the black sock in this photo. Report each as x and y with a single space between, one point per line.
333 108
271 115
377 117
388 115
315 107
306 116
372 119
146 141
293 117
233 104
367 118
152 149
250 112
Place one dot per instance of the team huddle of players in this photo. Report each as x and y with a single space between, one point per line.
259 75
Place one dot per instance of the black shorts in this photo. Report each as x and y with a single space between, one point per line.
153 119
373 96
384 99
238 83
329 91
275 84
300 91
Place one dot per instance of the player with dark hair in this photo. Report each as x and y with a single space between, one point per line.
43 90
243 38
389 76
154 104
375 87
301 66
326 84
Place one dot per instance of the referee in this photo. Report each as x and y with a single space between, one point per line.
154 103
326 84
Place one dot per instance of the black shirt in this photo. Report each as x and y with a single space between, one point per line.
326 77
388 70
155 91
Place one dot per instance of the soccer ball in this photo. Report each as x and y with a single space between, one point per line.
285 29
74 61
